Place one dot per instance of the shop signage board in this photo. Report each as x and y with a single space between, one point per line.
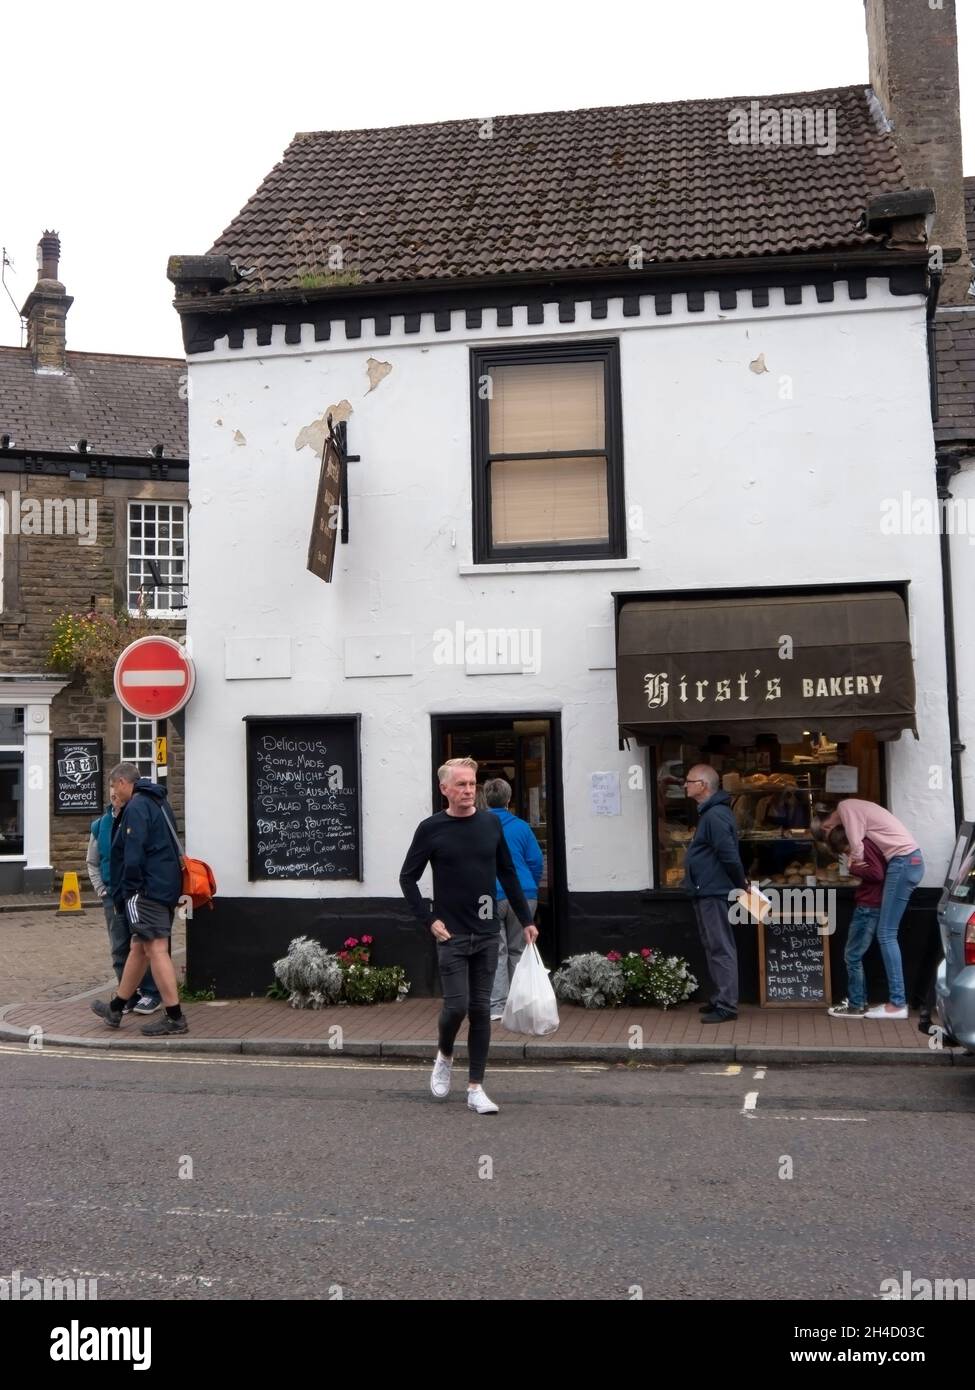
324 529
304 812
78 765
840 662
154 677
793 963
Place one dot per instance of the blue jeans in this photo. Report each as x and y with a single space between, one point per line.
904 873
863 929
119 939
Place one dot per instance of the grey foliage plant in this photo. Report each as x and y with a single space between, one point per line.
590 980
312 977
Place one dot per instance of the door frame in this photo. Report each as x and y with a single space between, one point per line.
558 886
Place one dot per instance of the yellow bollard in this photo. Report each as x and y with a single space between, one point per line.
70 894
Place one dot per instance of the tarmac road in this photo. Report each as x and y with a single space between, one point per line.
326 1179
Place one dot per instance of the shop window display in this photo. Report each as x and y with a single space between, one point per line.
780 793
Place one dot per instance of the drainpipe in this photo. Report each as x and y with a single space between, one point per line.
946 466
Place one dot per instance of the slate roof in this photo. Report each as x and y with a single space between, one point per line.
955 347
560 191
121 405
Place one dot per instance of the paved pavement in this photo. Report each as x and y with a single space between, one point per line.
266 1178
45 956
48 961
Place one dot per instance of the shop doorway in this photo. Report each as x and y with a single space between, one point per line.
526 750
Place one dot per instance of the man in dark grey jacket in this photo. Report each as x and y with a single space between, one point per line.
712 870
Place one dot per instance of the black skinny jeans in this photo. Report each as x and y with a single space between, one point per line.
468 963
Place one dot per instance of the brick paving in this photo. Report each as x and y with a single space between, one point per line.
414 1021
46 957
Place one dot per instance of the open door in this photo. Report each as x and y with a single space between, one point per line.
526 750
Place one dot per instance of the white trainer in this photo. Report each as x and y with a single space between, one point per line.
882 1012
478 1099
440 1078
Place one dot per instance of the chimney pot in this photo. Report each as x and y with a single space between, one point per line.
47 308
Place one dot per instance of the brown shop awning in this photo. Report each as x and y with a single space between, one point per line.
740 666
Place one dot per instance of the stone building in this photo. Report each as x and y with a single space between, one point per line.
93 474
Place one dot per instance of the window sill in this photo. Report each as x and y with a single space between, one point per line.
547 566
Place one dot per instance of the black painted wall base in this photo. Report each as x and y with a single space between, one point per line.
232 948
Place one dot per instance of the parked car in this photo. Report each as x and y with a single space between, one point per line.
956 974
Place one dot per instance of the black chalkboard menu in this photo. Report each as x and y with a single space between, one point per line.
304 813
793 963
78 777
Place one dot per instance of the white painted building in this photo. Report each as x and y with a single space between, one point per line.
701 430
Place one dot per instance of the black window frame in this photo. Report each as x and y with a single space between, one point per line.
529 354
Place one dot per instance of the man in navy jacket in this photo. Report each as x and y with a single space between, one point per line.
147 882
712 870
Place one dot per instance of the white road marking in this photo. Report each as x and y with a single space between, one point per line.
830 1119
759 1074
731 1070
125 1276
223 1211
751 1100
299 1063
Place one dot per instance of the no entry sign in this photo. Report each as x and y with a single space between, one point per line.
154 677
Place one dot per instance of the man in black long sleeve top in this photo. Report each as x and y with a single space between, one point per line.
468 853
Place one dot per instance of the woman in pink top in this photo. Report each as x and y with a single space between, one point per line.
905 869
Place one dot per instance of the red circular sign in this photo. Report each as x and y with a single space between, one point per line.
154 677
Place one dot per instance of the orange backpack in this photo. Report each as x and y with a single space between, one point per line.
199 883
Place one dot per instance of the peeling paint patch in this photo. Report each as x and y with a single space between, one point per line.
758 366
313 435
239 438
377 372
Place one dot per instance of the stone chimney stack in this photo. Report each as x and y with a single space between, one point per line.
914 72
47 308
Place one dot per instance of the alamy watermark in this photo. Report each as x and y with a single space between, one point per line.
518 647
21 1288
783 125
908 515
50 516
908 1288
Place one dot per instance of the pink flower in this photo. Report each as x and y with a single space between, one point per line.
352 941
646 953
367 941
613 955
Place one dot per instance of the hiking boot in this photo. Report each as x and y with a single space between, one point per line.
108 1016
165 1026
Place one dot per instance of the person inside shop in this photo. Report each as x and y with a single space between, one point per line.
871 871
905 869
713 870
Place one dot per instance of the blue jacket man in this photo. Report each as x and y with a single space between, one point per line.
712 871
527 859
100 872
147 882
144 861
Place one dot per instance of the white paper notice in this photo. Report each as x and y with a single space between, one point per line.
606 794
841 778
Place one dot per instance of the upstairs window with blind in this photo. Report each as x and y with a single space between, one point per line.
548 468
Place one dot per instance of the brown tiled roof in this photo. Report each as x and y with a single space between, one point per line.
561 191
121 405
955 345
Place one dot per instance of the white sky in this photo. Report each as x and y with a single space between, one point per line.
138 130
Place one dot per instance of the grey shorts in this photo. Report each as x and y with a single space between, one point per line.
148 919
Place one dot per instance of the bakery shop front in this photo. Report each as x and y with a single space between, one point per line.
792 697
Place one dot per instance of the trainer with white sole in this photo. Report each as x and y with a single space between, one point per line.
468 853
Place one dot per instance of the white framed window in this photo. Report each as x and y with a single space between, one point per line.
138 743
11 781
157 558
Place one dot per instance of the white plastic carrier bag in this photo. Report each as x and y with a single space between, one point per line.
531 1006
